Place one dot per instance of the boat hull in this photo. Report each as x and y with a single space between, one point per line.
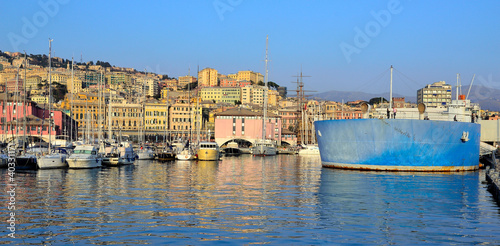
208 155
83 163
145 155
398 144
52 161
263 151
26 162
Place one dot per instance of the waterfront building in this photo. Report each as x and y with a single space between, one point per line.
289 117
126 117
156 117
288 138
243 124
221 94
435 95
12 119
184 117
208 77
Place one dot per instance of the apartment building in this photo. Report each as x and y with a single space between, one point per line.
435 95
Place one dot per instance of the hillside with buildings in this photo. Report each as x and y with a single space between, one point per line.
92 97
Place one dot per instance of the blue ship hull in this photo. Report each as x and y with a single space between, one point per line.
399 144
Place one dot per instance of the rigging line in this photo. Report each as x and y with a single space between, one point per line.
408 78
405 83
377 78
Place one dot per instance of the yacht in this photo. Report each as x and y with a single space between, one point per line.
309 149
145 153
166 154
84 156
208 151
56 159
120 154
263 148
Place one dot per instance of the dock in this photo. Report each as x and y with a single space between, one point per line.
493 178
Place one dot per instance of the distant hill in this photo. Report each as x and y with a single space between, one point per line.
338 96
488 98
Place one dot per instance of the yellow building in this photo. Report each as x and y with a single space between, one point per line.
33 81
208 77
40 99
250 76
75 85
185 116
59 77
185 80
164 93
221 94
156 117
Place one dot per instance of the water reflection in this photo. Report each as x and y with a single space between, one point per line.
246 200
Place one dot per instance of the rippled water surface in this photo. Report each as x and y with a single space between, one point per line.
249 200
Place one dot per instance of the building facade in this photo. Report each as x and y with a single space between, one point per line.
208 77
435 95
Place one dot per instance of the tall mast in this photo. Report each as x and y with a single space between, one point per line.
99 104
458 76
24 99
50 93
109 117
265 94
390 91
71 101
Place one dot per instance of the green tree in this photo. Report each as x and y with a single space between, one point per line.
376 100
237 102
261 83
271 84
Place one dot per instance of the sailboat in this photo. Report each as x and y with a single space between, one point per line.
53 158
145 152
264 147
85 155
188 153
24 161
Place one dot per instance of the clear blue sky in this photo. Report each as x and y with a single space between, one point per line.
426 41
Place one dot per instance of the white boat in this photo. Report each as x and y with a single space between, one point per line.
208 151
84 156
49 159
309 149
186 154
56 159
120 154
145 153
263 148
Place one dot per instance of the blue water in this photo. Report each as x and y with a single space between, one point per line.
249 200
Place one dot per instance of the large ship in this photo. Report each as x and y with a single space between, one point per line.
413 143
399 144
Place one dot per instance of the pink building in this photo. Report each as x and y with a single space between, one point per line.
241 123
13 119
229 82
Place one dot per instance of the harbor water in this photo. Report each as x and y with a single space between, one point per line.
284 199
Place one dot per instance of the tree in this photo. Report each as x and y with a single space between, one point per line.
237 102
261 83
376 100
271 84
